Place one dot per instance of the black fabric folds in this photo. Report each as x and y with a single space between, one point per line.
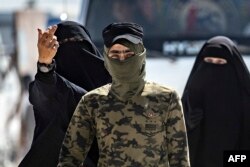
77 58
216 104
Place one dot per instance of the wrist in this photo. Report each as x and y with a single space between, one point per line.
46 67
49 61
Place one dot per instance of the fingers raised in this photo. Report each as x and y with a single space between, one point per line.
51 44
47 36
39 33
52 30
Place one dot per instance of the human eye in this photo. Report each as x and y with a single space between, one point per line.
222 61
129 54
208 60
114 56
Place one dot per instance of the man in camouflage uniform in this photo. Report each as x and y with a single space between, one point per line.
137 123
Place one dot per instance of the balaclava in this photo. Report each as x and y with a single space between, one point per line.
128 76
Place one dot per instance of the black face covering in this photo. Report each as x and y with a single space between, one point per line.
77 58
214 102
223 47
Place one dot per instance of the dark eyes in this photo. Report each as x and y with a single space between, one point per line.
121 54
215 60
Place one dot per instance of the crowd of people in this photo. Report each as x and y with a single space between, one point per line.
97 109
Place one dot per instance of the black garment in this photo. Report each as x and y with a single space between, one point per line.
55 95
214 102
78 59
54 100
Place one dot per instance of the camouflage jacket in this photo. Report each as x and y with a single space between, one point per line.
146 131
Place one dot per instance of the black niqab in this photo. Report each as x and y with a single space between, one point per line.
78 60
215 103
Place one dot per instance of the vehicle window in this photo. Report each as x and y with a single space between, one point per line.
109 11
174 21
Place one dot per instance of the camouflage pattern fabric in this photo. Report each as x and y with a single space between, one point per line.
146 131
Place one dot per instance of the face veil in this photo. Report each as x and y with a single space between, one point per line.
77 58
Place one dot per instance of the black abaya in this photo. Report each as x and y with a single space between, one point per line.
213 102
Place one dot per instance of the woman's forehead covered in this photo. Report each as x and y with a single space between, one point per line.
212 50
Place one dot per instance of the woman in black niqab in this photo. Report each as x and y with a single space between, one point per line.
77 58
55 95
216 102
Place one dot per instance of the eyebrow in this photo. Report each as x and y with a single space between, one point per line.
119 51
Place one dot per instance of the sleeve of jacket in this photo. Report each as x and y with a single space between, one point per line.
176 134
47 85
78 138
42 88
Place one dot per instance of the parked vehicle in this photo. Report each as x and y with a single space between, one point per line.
172 28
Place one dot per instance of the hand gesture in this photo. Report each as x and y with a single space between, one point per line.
47 45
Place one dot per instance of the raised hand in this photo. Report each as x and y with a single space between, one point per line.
47 45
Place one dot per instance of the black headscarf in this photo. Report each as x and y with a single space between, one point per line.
216 103
77 58
235 57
